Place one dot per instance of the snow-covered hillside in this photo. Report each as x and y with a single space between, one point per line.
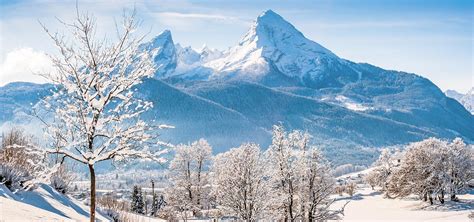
42 204
467 100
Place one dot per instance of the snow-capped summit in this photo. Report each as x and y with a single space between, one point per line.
187 55
163 53
209 54
273 33
274 45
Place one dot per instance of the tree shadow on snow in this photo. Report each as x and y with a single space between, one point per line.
359 196
36 199
461 205
64 200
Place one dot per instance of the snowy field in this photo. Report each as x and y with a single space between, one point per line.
45 204
370 205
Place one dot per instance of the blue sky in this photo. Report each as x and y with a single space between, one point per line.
431 38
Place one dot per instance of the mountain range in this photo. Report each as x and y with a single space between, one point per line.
277 75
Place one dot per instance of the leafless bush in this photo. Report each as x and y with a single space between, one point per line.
61 180
351 188
113 208
17 163
339 189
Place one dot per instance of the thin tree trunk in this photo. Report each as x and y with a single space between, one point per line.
92 203
431 198
441 197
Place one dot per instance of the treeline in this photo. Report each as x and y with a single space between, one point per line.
431 169
290 181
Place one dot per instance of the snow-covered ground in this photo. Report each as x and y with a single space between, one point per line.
370 205
41 204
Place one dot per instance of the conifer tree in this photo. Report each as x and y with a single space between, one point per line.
138 204
133 205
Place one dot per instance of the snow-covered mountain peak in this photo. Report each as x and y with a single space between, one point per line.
164 39
273 42
272 32
163 53
209 54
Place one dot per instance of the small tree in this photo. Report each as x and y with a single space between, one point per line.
300 177
94 115
188 176
460 163
134 200
317 185
137 203
239 182
371 179
283 167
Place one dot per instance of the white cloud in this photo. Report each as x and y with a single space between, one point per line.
196 16
186 21
24 64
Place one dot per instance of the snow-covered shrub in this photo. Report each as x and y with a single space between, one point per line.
351 188
61 179
339 189
113 208
168 214
11 176
19 163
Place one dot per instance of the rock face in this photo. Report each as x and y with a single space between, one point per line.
275 74
163 52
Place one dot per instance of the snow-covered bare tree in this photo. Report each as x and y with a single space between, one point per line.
371 179
383 169
239 182
418 172
189 176
93 115
301 180
283 174
316 186
431 169
460 166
